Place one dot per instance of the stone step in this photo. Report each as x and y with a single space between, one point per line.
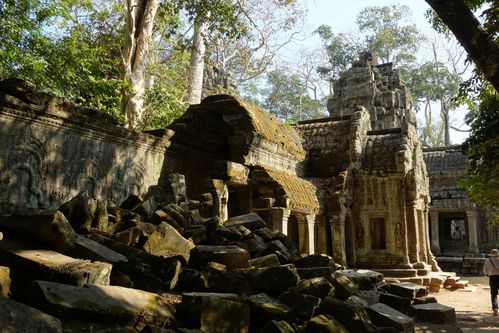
397 272
461 284
451 281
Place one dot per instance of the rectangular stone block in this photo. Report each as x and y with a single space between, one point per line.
102 303
210 313
29 264
4 281
251 221
233 257
384 316
18 317
269 260
408 289
50 228
435 313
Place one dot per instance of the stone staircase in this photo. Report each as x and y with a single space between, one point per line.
422 274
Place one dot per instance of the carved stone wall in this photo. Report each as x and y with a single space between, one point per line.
51 150
458 227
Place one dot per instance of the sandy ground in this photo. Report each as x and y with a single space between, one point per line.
472 305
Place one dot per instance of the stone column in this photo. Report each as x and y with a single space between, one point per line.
338 233
429 254
220 193
310 218
435 237
423 237
279 219
472 234
412 232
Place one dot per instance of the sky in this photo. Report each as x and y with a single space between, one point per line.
341 16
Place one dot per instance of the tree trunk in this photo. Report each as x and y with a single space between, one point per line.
445 117
140 16
196 65
479 44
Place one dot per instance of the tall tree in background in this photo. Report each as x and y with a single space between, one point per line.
481 42
139 25
388 33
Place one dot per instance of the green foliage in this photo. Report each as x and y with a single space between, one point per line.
483 149
286 97
341 51
165 98
387 35
70 49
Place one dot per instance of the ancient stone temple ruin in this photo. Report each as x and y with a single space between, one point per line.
353 185
459 231
227 215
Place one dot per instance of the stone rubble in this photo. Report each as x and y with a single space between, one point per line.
159 266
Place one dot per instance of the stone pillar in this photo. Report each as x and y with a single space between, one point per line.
311 232
338 233
412 232
423 237
472 233
435 237
429 254
279 219
220 193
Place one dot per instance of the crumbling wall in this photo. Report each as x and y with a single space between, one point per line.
51 150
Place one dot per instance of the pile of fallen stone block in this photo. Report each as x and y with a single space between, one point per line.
152 266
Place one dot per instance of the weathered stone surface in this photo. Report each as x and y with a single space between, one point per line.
101 303
50 228
324 324
270 260
384 316
313 272
233 257
424 300
165 241
226 282
251 221
408 290
255 245
18 317
82 213
365 279
88 249
29 264
435 313
277 327
343 312
343 286
4 281
319 287
401 304
265 308
315 260
370 296
210 313
278 278
147 271
302 304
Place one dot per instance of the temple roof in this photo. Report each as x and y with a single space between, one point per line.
445 159
247 124
300 192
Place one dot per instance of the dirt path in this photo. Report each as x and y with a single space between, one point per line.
473 308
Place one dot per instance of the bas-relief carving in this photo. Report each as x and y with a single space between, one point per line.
22 158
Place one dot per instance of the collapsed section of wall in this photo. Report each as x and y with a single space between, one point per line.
51 150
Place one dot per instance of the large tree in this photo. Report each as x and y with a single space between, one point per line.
480 41
139 25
